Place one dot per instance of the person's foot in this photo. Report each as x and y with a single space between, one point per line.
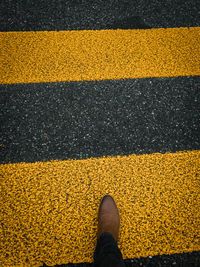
108 217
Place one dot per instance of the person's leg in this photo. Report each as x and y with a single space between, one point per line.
107 252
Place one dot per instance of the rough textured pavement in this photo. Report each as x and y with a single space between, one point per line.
135 137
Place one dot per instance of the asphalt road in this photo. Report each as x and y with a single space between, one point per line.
106 118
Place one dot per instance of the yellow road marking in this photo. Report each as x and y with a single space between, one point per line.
28 57
49 209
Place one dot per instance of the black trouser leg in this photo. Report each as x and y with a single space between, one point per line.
107 253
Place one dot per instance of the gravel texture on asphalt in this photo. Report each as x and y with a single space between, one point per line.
38 120
92 119
99 14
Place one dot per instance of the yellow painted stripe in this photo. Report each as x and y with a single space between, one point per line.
49 209
28 57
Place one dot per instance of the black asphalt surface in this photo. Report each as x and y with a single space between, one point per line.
83 15
174 260
90 119
93 119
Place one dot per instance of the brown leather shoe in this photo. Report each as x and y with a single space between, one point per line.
108 217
